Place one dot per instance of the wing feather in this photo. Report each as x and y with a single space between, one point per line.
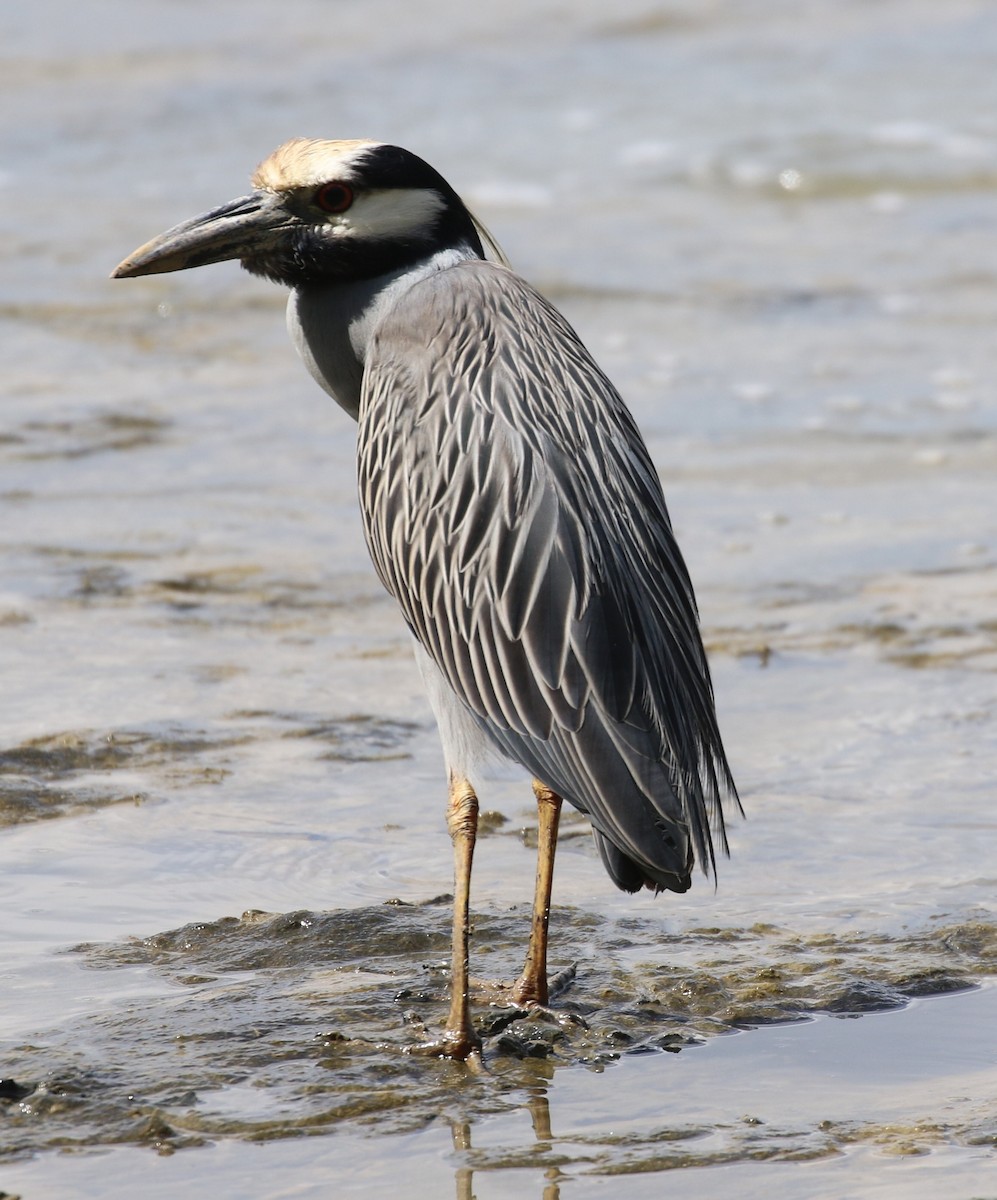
511 507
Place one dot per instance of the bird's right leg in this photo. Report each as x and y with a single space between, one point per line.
459 1038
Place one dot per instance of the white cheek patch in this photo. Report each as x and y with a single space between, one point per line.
390 213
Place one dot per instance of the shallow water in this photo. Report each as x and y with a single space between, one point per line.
774 225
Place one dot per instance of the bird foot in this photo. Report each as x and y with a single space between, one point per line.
536 1014
521 999
462 1045
531 992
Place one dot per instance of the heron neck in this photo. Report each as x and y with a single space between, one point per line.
331 324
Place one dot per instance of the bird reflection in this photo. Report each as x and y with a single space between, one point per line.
539 1110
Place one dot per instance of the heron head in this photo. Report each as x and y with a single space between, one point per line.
322 211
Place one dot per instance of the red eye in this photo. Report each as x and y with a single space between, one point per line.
334 197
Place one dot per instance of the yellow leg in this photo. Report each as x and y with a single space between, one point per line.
462 821
459 1039
531 987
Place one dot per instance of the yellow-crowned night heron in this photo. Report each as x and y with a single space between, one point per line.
510 507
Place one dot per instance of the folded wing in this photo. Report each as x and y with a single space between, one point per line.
512 509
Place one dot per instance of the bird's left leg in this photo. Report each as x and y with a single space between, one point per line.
531 987
459 1038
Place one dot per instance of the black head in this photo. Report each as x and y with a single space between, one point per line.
323 211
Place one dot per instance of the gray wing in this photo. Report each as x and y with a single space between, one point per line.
511 508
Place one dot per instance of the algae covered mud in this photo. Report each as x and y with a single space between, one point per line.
223 859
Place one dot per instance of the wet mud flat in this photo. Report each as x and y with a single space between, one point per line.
273 1026
265 1028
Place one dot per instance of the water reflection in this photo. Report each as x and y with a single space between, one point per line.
538 1106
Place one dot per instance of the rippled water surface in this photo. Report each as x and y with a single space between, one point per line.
223 861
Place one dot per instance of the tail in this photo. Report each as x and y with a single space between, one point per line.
630 875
